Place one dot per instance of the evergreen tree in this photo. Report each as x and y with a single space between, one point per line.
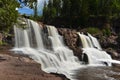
8 14
66 7
45 12
73 10
57 6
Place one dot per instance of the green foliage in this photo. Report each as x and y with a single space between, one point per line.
93 30
65 11
8 14
80 9
106 32
1 42
50 11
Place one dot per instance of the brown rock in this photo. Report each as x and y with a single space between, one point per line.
113 53
71 39
14 68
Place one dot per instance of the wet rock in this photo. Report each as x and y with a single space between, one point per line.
24 69
2 58
71 39
107 42
112 52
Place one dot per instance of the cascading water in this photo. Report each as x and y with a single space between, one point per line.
95 42
38 35
90 50
63 52
59 60
94 52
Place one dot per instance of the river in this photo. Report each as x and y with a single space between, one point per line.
97 73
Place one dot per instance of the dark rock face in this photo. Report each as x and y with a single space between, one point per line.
106 42
112 52
71 40
110 44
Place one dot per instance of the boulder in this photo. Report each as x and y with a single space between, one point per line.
107 42
114 54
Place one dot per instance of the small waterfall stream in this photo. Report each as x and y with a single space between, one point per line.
59 58
95 54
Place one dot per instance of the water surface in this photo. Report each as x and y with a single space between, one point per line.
98 73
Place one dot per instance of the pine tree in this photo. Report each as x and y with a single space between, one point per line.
8 14
81 9
66 8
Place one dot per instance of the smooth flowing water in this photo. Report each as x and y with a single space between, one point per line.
59 58
98 73
95 54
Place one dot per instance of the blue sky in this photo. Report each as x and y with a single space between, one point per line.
40 5
28 11
25 10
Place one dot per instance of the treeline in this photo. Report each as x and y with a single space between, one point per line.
78 12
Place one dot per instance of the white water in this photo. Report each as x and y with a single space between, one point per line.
96 56
38 35
84 40
61 60
26 39
95 42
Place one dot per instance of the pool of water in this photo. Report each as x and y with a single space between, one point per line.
97 73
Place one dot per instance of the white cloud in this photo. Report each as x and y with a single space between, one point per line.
40 5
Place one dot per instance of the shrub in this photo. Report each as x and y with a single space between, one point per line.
93 30
106 32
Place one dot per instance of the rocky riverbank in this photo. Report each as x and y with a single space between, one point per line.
16 67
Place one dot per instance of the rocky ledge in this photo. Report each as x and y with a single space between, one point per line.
16 67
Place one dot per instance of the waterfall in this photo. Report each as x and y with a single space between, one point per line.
62 51
21 39
37 33
95 42
55 37
58 60
94 51
27 43
84 40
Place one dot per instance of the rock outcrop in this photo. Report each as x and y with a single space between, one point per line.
71 40
109 43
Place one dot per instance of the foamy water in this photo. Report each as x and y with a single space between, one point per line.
59 58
